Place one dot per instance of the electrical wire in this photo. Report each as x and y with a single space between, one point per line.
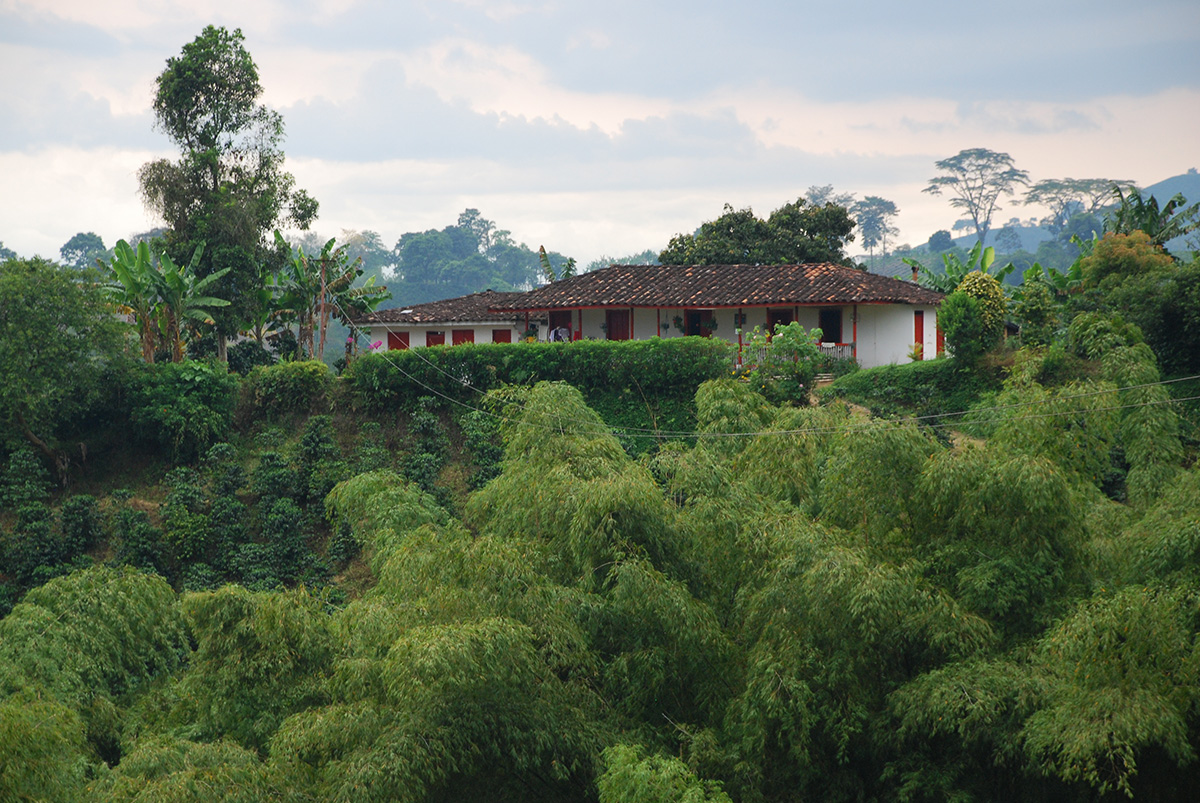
642 432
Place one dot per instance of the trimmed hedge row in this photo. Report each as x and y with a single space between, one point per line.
649 368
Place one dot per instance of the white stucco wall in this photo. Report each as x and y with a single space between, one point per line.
886 333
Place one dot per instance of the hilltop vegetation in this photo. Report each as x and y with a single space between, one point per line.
444 579
586 571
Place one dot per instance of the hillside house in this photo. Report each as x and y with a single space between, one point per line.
873 319
453 321
870 318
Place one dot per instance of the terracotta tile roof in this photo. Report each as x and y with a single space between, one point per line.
720 286
477 307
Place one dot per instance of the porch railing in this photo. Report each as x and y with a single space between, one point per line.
838 351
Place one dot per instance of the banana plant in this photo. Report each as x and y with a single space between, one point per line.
181 297
159 297
1135 212
978 259
135 291
314 289
1061 284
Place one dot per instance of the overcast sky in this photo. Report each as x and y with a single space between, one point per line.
601 128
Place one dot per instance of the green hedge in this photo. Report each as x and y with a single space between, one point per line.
647 368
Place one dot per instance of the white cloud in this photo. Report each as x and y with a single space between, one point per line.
598 129
502 10
507 80
65 190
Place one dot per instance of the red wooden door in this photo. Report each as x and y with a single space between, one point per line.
397 341
435 338
919 327
461 336
502 335
617 324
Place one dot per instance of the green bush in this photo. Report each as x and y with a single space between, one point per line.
138 542
1094 334
371 453
184 517
321 465
929 387
184 407
33 545
656 367
228 520
481 437
789 361
274 479
82 525
993 306
283 533
289 387
25 481
225 474
962 322
247 355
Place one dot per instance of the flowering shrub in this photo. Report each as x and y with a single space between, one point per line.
783 365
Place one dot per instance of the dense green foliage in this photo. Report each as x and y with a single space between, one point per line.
823 605
926 388
228 189
185 407
471 255
795 233
288 387
675 365
442 577
56 339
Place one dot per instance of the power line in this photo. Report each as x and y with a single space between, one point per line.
642 432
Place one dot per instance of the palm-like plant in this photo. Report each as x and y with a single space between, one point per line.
1134 212
314 289
181 297
978 259
160 297
1059 283
135 291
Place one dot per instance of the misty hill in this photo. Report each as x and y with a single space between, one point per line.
1031 235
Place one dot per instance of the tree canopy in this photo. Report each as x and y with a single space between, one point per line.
795 233
874 217
229 189
975 179
1066 197
471 255
57 334
83 249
